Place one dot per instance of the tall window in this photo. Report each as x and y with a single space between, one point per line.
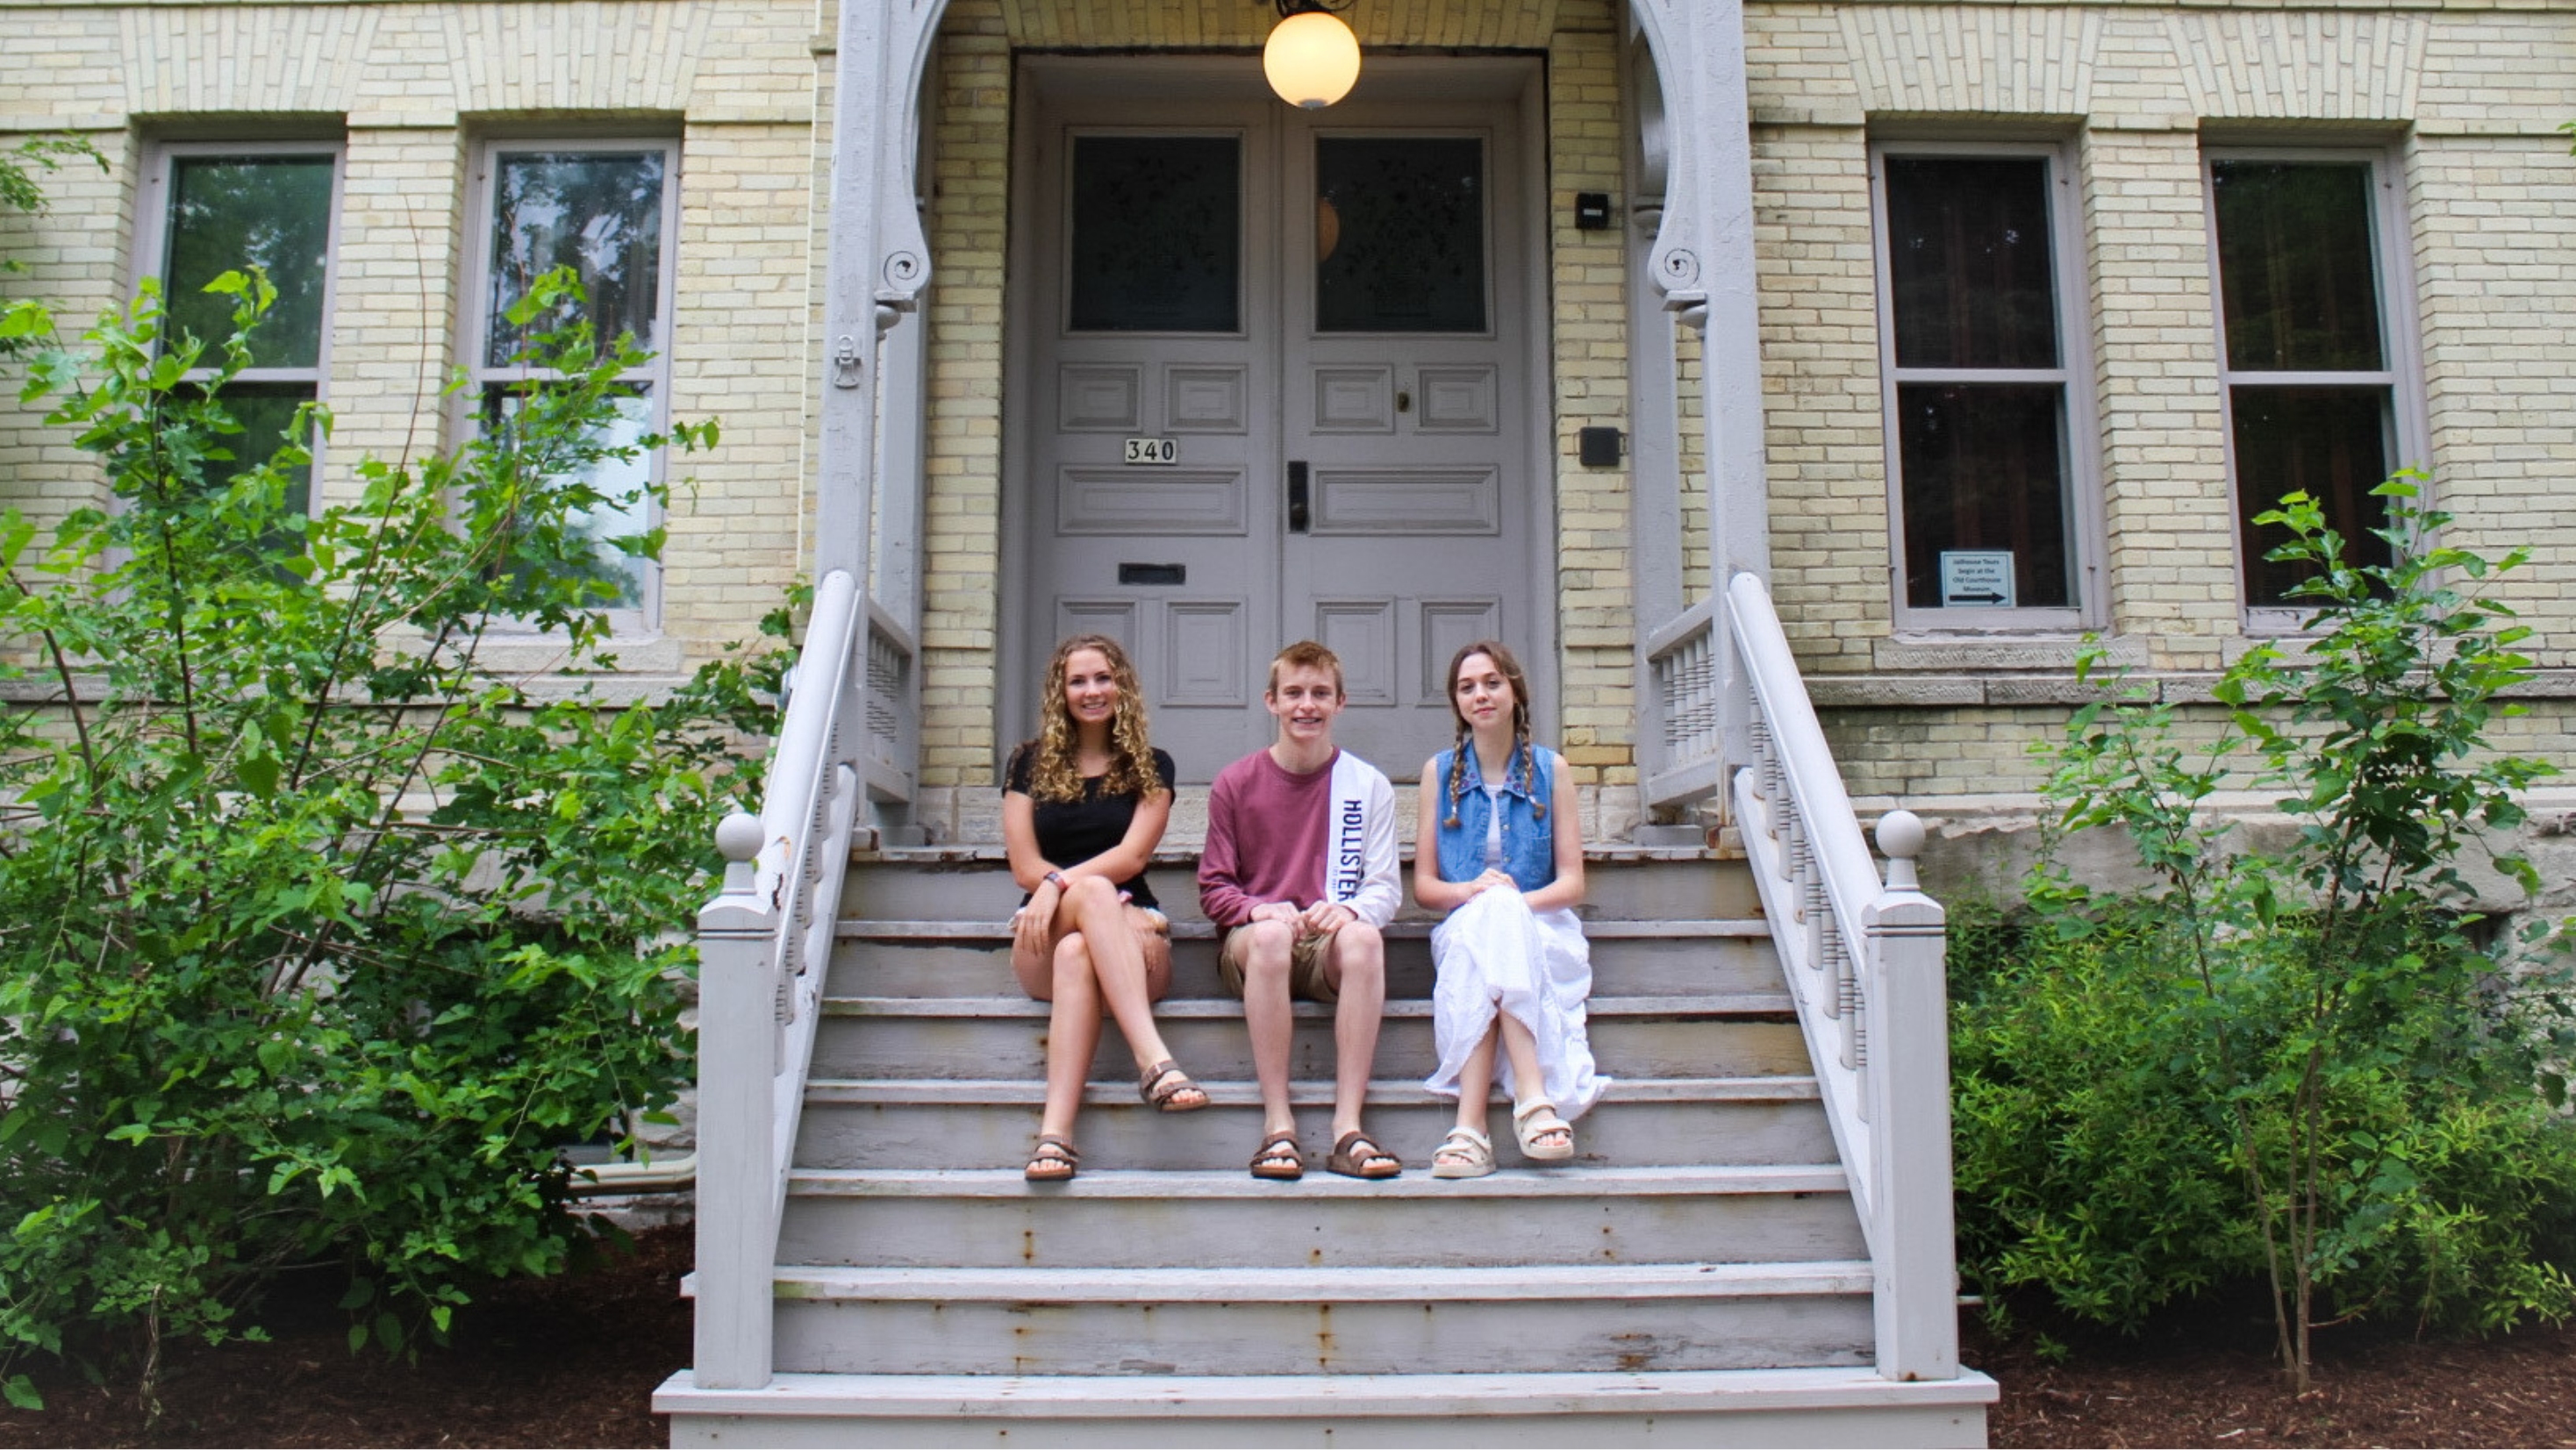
609 211
212 208
1985 399
2308 362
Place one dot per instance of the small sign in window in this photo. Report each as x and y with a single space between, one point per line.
1153 451
1976 579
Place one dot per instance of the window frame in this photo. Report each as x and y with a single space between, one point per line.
473 329
2079 422
2406 429
149 256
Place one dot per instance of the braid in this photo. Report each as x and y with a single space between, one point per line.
1457 775
1529 766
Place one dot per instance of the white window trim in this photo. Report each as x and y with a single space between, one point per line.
150 257
2080 443
2394 278
643 619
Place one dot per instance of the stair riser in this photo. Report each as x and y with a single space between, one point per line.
983 891
1130 1135
1297 1228
1574 1428
1218 1049
1640 1335
1621 966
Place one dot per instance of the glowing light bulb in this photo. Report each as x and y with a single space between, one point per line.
1311 60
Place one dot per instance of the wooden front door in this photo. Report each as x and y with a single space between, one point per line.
1278 387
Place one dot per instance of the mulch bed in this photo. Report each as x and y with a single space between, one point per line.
2212 1380
568 1361
574 1361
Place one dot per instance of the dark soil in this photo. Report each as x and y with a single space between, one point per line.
2213 1380
565 1361
573 1361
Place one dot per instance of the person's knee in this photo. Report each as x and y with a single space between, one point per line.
1360 945
1072 960
1092 893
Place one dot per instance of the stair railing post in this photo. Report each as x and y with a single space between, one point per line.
1917 1303
737 1062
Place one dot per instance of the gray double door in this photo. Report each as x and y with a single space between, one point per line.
1278 388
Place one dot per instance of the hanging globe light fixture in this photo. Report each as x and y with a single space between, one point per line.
1312 59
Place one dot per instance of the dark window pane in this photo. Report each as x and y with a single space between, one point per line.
2328 443
2294 266
265 411
597 212
1399 235
1157 233
1968 262
232 212
1984 470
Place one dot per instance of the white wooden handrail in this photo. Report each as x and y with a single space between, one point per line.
1864 958
764 947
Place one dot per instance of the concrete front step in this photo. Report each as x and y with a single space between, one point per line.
1741 1034
1783 1407
992 1218
1629 958
1634 1317
974 884
969 1123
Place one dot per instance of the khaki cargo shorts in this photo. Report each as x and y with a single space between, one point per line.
1305 963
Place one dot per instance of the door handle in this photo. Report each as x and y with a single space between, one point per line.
1297 501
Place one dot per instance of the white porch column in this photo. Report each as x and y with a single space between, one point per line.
1703 262
879 261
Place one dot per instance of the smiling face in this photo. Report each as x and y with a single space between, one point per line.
1304 698
1090 689
1482 694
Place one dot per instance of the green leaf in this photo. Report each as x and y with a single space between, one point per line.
22 1392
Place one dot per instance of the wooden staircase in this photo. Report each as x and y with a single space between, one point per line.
1697 1276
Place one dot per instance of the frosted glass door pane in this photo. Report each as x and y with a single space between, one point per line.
1399 234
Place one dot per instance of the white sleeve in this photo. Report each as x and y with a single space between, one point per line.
1382 892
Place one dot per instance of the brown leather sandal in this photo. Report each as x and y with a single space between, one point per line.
1052 1160
1279 1159
1349 1161
1162 1086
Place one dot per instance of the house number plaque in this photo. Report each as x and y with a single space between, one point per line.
1153 452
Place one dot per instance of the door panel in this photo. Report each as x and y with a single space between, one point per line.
1303 432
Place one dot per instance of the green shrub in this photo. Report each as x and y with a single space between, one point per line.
317 939
2297 1066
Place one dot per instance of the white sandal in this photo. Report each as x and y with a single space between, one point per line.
1465 1153
1531 1119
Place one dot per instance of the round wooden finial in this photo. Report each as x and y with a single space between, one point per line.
738 836
1900 835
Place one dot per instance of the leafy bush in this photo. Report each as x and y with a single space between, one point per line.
317 939
2298 1066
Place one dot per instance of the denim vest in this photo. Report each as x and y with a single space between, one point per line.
1529 843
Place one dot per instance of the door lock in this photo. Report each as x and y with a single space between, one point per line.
1404 402
1298 510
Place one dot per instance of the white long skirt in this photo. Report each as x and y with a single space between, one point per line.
1495 954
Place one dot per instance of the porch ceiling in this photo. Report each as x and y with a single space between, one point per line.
1115 24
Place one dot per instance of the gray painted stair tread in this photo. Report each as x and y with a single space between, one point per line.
1699 1004
1028 1092
1399 1285
1581 1182
998 932
1265 1397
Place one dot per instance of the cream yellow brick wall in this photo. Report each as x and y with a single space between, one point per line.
412 87
969 230
1595 531
2467 97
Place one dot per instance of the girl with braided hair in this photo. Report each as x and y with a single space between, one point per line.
1082 808
1499 850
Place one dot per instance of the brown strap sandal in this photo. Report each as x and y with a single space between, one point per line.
1279 1159
1052 1160
1359 1156
1167 1089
